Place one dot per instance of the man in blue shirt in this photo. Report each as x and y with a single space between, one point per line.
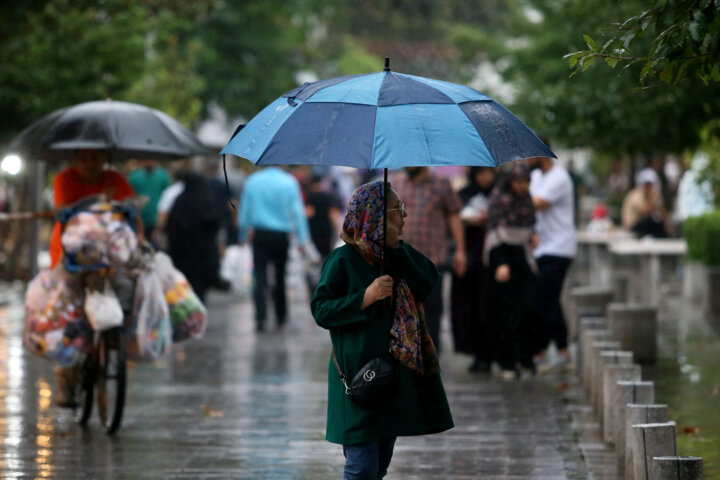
271 208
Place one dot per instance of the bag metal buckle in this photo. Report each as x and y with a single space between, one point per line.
347 388
369 375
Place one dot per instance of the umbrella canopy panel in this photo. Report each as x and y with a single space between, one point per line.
125 130
385 120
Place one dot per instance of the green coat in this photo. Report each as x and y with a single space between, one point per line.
418 406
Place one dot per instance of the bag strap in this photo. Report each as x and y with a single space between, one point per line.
340 372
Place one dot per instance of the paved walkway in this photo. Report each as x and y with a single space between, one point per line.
237 405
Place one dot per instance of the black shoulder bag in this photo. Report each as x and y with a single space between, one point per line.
372 382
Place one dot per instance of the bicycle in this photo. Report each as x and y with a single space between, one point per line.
103 371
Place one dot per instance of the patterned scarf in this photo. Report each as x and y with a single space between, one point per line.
410 340
512 217
507 209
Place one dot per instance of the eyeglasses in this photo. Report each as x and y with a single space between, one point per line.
401 208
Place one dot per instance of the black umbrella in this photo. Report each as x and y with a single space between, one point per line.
125 130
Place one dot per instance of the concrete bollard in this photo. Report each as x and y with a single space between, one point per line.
651 440
595 349
612 374
605 358
586 301
676 468
628 392
589 337
635 327
591 301
636 414
619 284
586 324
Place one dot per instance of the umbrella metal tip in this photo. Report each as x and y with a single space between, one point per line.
387 64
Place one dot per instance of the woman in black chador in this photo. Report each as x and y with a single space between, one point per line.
192 233
469 320
512 291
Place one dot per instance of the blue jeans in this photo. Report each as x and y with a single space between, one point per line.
368 461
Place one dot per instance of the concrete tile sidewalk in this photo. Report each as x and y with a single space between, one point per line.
238 405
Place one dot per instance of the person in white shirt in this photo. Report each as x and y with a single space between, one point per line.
551 189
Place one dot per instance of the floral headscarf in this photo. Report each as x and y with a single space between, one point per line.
410 340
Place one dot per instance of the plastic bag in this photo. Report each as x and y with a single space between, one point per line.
188 316
312 261
84 236
54 326
99 235
149 333
236 268
103 309
121 243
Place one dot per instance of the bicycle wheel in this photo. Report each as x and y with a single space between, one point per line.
111 379
84 390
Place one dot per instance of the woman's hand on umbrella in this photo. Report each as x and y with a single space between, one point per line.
379 289
502 273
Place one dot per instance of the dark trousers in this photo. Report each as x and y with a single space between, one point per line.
270 247
433 312
552 275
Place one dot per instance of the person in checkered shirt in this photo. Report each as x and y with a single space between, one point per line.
433 210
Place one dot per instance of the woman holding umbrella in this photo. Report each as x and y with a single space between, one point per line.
351 302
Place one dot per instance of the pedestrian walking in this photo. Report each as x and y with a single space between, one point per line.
434 211
512 301
468 297
86 177
368 312
149 180
271 208
192 226
552 193
323 212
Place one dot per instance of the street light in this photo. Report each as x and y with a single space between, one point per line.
11 164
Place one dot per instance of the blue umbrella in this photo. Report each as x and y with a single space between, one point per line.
385 120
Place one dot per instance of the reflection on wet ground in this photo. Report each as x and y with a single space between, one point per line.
242 406
239 405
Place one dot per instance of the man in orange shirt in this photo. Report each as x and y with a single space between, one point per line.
86 177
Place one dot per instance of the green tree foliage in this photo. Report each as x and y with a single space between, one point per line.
600 109
171 80
710 145
674 40
252 49
65 52
441 39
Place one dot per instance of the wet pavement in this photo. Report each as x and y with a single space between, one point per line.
241 405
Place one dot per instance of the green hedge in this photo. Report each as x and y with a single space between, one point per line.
702 235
